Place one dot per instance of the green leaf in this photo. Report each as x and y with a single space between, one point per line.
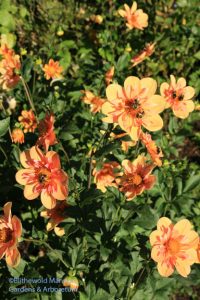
4 125
19 270
191 183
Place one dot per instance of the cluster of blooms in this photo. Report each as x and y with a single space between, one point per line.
135 108
9 68
42 174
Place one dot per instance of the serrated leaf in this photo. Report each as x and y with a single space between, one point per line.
4 125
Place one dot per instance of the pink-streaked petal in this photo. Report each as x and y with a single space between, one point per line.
163 88
54 159
17 226
22 176
163 223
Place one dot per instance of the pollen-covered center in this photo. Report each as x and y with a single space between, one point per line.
136 179
173 246
5 235
133 106
43 175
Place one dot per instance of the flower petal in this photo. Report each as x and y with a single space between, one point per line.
22 176
29 192
182 267
164 86
54 159
7 211
47 200
152 122
183 108
13 257
112 91
163 222
149 86
36 154
59 191
2 251
17 226
188 92
132 86
165 270
155 104
183 227
59 231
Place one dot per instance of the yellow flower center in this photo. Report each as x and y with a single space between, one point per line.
174 246
43 175
5 235
137 179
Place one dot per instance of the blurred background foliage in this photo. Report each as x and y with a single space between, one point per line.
106 244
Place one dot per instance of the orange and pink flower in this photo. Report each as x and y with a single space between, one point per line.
52 69
109 75
177 96
9 67
136 177
42 176
95 102
134 105
135 18
28 120
10 232
47 135
153 150
174 246
147 52
17 136
106 176
56 215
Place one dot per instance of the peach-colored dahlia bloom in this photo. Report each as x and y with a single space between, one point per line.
95 102
135 18
17 136
55 215
42 176
134 105
28 120
136 177
106 176
52 69
47 135
177 96
174 246
10 232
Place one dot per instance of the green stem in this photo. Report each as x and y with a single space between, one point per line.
28 95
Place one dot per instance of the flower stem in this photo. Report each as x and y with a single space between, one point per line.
28 95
